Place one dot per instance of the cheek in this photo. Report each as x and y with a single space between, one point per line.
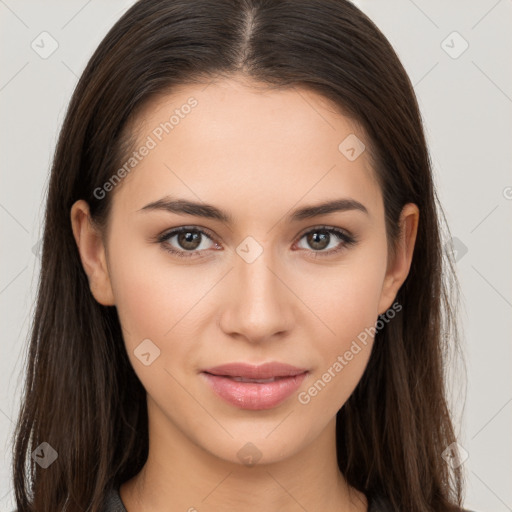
148 295
159 301
345 298
150 299
346 301
141 301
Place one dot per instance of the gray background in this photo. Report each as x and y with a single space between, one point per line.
466 103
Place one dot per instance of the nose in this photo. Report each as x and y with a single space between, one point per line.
260 306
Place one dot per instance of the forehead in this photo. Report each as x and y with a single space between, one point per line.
236 140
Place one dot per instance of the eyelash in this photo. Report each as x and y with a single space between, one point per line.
347 239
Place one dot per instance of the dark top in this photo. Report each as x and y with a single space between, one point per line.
113 503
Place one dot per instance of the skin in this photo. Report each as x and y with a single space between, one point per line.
206 310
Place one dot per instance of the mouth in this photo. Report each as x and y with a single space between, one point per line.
254 387
271 370
245 379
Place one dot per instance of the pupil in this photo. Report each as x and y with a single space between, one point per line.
319 241
188 240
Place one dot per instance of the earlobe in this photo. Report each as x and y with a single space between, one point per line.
92 253
398 269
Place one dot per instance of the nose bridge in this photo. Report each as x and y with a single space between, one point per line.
256 279
260 304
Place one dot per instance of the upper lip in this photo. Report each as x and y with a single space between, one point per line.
262 371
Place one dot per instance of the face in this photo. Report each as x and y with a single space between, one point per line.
255 275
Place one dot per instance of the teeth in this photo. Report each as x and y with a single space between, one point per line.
243 379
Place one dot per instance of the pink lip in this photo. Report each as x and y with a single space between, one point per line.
254 395
250 371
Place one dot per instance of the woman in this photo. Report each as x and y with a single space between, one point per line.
242 275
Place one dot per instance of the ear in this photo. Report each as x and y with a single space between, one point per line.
398 269
92 253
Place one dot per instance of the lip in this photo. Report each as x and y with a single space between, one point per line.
250 371
225 382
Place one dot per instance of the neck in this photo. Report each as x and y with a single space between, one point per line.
181 476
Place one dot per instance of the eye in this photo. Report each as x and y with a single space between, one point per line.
186 241
333 239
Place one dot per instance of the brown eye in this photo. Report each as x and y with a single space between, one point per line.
185 242
322 238
318 239
189 240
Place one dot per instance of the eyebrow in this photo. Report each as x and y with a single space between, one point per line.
183 206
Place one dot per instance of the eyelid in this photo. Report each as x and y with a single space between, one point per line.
194 227
170 233
347 239
326 227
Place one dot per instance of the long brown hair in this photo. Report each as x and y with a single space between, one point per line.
81 394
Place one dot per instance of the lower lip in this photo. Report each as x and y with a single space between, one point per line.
254 395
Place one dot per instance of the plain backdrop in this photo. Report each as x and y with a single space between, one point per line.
458 56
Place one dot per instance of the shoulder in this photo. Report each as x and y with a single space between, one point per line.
380 504
112 502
